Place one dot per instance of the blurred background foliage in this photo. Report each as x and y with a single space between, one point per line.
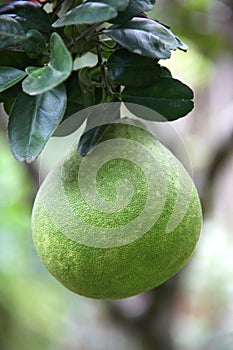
193 310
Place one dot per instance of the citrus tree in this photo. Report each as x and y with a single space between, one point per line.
67 60
59 57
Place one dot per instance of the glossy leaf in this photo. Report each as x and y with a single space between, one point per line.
90 139
119 5
135 7
129 69
34 42
11 32
99 118
58 69
10 76
86 60
89 13
168 97
182 46
145 37
33 120
29 15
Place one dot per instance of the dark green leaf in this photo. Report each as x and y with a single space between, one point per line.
32 121
90 139
10 76
129 69
168 97
34 43
74 92
89 13
17 59
9 96
87 88
57 70
29 15
11 32
119 5
11 92
99 118
135 8
145 37
166 73
8 104
72 118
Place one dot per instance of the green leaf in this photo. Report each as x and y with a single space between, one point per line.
134 8
119 5
99 119
11 32
29 15
58 69
168 97
182 46
90 139
87 60
10 76
166 73
87 88
33 120
8 97
34 42
17 59
145 37
129 69
72 118
89 13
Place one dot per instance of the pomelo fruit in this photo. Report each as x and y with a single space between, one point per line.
121 220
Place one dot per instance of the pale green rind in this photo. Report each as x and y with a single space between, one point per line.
119 272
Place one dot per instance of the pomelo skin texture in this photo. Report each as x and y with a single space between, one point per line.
147 260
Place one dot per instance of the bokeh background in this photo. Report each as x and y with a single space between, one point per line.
194 309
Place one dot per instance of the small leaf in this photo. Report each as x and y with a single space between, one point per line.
11 32
119 5
87 60
135 8
58 69
29 15
129 69
145 37
168 97
10 76
89 13
32 121
30 69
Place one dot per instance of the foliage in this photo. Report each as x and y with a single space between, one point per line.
40 50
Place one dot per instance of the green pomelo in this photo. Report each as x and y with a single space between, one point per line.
115 253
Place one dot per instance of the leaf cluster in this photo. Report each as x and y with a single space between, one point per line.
61 57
